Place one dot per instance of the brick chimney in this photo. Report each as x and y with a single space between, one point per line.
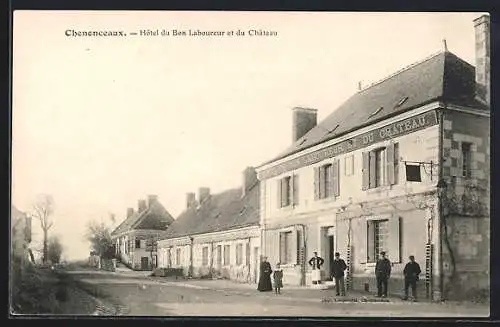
249 179
190 200
203 194
152 199
482 31
141 205
130 212
304 119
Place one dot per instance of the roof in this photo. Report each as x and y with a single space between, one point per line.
441 77
153 217
223 211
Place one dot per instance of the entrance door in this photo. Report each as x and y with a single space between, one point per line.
256 263
144 263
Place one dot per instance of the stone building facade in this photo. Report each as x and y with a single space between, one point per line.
392 169
136 238
217 236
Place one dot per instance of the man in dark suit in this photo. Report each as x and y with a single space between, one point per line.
316 262
411 273
382 272
338 268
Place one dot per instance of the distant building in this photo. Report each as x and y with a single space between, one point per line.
20 233
217 235
402 167
135 238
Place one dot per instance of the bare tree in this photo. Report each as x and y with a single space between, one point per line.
99 236
42 211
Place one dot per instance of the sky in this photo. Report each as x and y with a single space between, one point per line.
101 122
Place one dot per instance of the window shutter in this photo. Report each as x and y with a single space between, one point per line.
247 254
294 247
389 164
394 239
371 256
295 189
366 170
322 181
297 253
316 183
362 241
283 192
372 170
396 163
336 177
278 193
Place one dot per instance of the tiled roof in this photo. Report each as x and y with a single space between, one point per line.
156 211
442 77
223 211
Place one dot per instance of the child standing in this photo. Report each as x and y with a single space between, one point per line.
278 279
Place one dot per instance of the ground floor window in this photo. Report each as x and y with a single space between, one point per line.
378 235
178 257
227 255
204 256
239 254
286 247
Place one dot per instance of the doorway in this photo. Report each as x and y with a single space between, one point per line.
256 263
144 263
330 247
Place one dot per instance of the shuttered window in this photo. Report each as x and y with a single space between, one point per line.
286 247
383 235
239 254
327 180
204 256
227 255
380 167
219 255
288 191
178 257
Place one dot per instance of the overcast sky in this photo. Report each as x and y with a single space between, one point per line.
100 122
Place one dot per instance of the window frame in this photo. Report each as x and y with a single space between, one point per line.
178 255
239 254
466 151
287 259
372 250
227 255
137 241
204 256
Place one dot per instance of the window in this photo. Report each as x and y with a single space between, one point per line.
204 256
466 160
288 191
326 180
178 256
219 255
227 255
378 237
381 166
137 244
349 165
286 247
239 254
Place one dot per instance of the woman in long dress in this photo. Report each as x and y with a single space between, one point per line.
265 284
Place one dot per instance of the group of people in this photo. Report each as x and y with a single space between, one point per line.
338 267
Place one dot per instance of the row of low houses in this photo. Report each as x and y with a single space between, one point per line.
402 167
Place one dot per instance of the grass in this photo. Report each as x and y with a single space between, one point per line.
43 291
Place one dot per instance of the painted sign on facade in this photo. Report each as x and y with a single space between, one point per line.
387 132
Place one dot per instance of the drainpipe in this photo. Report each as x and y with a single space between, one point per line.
191 257
440 203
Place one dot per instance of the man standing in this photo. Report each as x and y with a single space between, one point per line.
316 262
382 272
338 268
411 272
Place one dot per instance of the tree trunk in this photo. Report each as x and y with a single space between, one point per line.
45 246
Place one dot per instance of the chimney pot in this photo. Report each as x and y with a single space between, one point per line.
190 200
152 199
141 205
482 32
130 212
304 119
203 194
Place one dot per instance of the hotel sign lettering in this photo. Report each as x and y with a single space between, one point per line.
387 132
